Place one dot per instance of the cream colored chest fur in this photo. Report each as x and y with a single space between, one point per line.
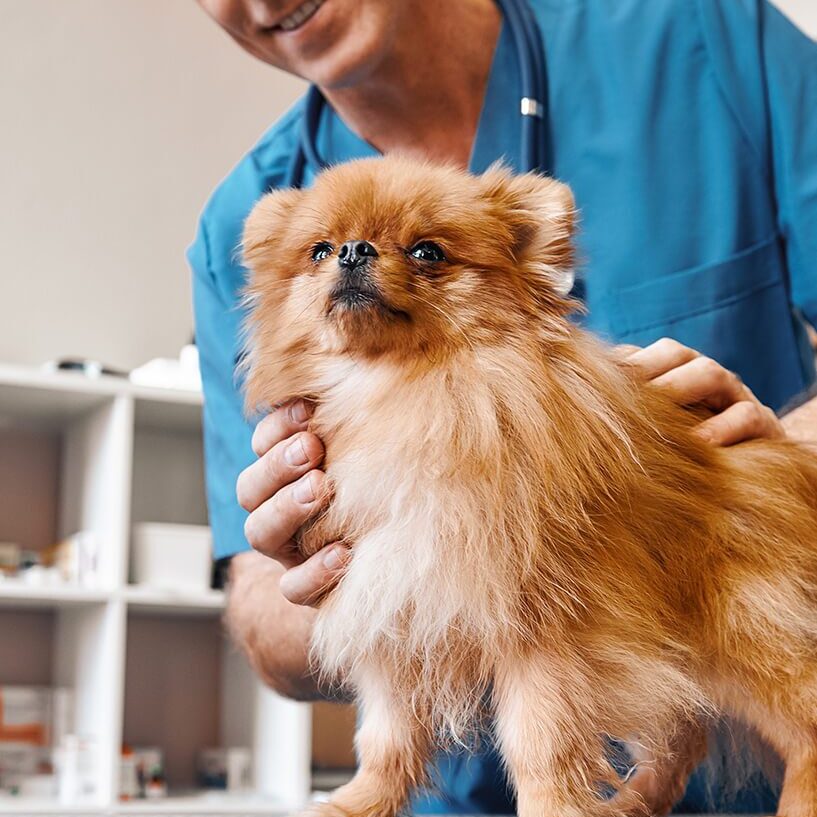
419 527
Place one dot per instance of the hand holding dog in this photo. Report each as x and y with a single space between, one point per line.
694 379
280 488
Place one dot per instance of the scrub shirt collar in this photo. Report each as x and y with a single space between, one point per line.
498 132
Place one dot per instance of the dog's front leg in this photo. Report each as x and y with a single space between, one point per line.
545 719
393 743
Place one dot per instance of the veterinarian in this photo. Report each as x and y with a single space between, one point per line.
688 132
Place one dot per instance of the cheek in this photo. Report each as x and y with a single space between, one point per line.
452 292
307 295
289 305
463 305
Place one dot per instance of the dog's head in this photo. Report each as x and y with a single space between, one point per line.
398 257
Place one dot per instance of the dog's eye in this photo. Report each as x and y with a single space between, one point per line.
427 251
323 249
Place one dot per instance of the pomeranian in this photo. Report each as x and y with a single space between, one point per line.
538 538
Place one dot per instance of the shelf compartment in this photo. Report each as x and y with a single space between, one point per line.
73 647
168 410
173 690
168 477
27 648
187 688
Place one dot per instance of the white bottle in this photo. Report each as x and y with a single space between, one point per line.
128 776
66 759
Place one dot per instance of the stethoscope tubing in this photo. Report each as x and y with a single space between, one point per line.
533 81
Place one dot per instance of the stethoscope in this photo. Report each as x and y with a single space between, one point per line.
532 106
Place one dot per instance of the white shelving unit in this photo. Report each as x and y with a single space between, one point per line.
147 667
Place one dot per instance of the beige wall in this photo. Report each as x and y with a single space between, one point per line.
803 12
117 117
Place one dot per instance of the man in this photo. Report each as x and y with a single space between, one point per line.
687 131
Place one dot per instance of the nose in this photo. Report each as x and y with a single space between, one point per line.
355 253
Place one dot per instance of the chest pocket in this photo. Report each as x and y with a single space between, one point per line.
736 311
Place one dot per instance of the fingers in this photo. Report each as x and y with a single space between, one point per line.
288 418
282 490
271 526
308 582
285 462
661 357
692 379
703 381
688 376
745 420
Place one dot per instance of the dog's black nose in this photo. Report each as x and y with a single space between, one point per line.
355 253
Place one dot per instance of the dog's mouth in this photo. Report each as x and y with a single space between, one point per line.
361 298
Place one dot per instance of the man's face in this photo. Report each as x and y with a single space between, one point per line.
333 43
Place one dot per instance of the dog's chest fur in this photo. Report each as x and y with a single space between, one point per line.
404 457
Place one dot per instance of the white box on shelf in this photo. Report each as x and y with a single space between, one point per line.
172 557
25 715
18 762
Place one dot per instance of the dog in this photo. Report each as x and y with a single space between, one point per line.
538 537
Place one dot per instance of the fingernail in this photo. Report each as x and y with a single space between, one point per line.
303 490
335 558
299 412
295 453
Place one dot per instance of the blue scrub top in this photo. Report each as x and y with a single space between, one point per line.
688 132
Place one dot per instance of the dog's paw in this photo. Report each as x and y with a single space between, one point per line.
332 808
646 796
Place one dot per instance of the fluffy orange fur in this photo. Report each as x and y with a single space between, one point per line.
536 533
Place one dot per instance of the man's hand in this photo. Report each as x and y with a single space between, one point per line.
282 491
693 379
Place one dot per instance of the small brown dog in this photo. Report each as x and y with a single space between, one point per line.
534 529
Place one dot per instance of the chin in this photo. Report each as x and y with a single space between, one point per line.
368 331
538 537
344 44
344 66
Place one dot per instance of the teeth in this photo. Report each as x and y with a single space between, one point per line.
300 15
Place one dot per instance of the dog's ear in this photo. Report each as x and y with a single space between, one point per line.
265 224
543 215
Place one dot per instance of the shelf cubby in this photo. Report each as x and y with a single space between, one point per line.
148 666
173 689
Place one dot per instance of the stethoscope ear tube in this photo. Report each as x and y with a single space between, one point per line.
533 105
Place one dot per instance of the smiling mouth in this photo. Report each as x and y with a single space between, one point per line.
298 17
